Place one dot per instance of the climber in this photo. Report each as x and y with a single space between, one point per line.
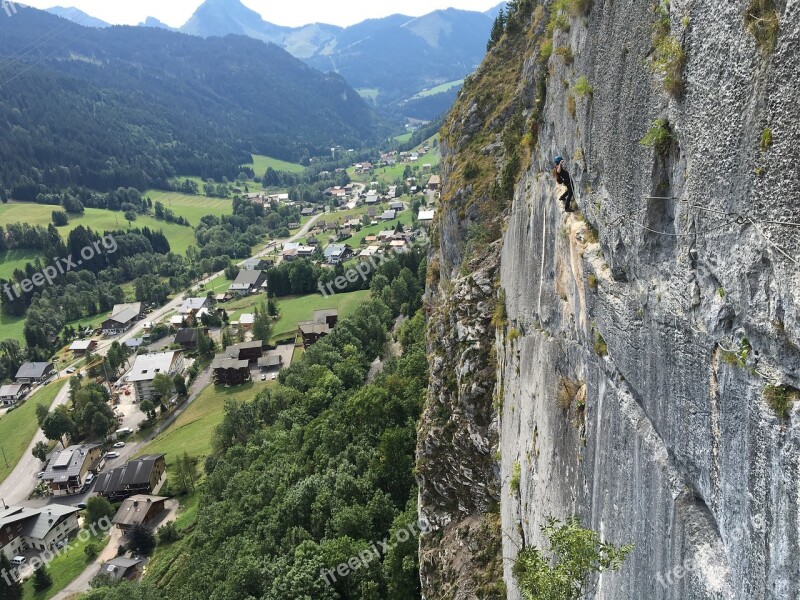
563 178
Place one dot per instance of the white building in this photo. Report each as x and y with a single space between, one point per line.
23 528
11 394
147 366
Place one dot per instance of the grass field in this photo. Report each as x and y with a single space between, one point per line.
12 328
65 568
100 220
438 89
15 259
296 309
192 432
368 93
18 427
358 238
192 208
260 165
403 138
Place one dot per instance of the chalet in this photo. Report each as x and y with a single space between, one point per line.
230 371
345 232
140 509
386 236
369 252
257 264
147 366
67 470
249 351
434 183
399 245
370 239
134 343
336 253
187 338
388 215
372 212
248 282
372 198
312 241
192 306
322 324
81 347
178 321
392 191
425 217
306 212
23 528
221 298
122 317
294 225
247 321
11 394
292 251
143 475
34 372
426 168
121 568
398 206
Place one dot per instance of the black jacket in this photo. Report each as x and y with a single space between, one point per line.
562 177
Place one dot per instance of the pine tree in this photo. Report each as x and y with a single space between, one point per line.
498 28
42 579
10 588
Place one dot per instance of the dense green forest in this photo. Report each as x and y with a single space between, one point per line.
311 473
134 106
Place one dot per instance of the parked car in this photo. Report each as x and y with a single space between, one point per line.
274 376
18 561
61 544
80 505
40 474
264 377
112 454
71 370
119 445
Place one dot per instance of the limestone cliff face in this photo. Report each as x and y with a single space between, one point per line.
647 350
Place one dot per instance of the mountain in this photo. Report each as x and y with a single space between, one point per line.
495 10
397 55
133 106
153 22
77 16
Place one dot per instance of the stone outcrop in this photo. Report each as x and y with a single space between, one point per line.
647 349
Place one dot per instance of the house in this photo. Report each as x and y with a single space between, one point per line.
398 245
372 212
249 351
425 217
294 225
122 317
312 241
256 264
306 212
192 306
426 168
121 568
81 347
398 206
143 475
248 282
221 298
147 366
230 371
67 470
388 215
187 338
34 372
134 343
336 253
369 252
321 325
140 509
372 198
392 191
23 528
178 321
386 235
345 232
11 394
370 239
246 321
434 183
292 251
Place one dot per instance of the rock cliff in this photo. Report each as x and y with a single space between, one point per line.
637 361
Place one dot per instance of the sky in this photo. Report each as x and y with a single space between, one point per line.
297 12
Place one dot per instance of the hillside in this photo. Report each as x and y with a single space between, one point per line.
133 106
635 363
398 55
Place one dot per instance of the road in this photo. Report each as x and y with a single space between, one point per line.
19 483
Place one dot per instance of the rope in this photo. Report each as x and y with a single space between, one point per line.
773 244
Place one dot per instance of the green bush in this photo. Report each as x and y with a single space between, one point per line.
565 52
780 398
669 58
582 87
600 346
659 136
545 51
516 473
766 138
762 21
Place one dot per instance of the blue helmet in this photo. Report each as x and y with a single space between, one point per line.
557 160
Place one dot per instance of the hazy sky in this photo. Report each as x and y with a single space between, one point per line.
291 13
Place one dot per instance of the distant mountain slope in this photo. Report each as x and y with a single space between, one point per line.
398 55
134 105
77 16
153 22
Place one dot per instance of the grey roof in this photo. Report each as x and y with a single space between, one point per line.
233 351
68 463
134 342
308 327
334 250
11 390
247 277
36 522
117 568
186 336
193 304
124 313
271 360
34 370
321 315
223 362
134 473
135 509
